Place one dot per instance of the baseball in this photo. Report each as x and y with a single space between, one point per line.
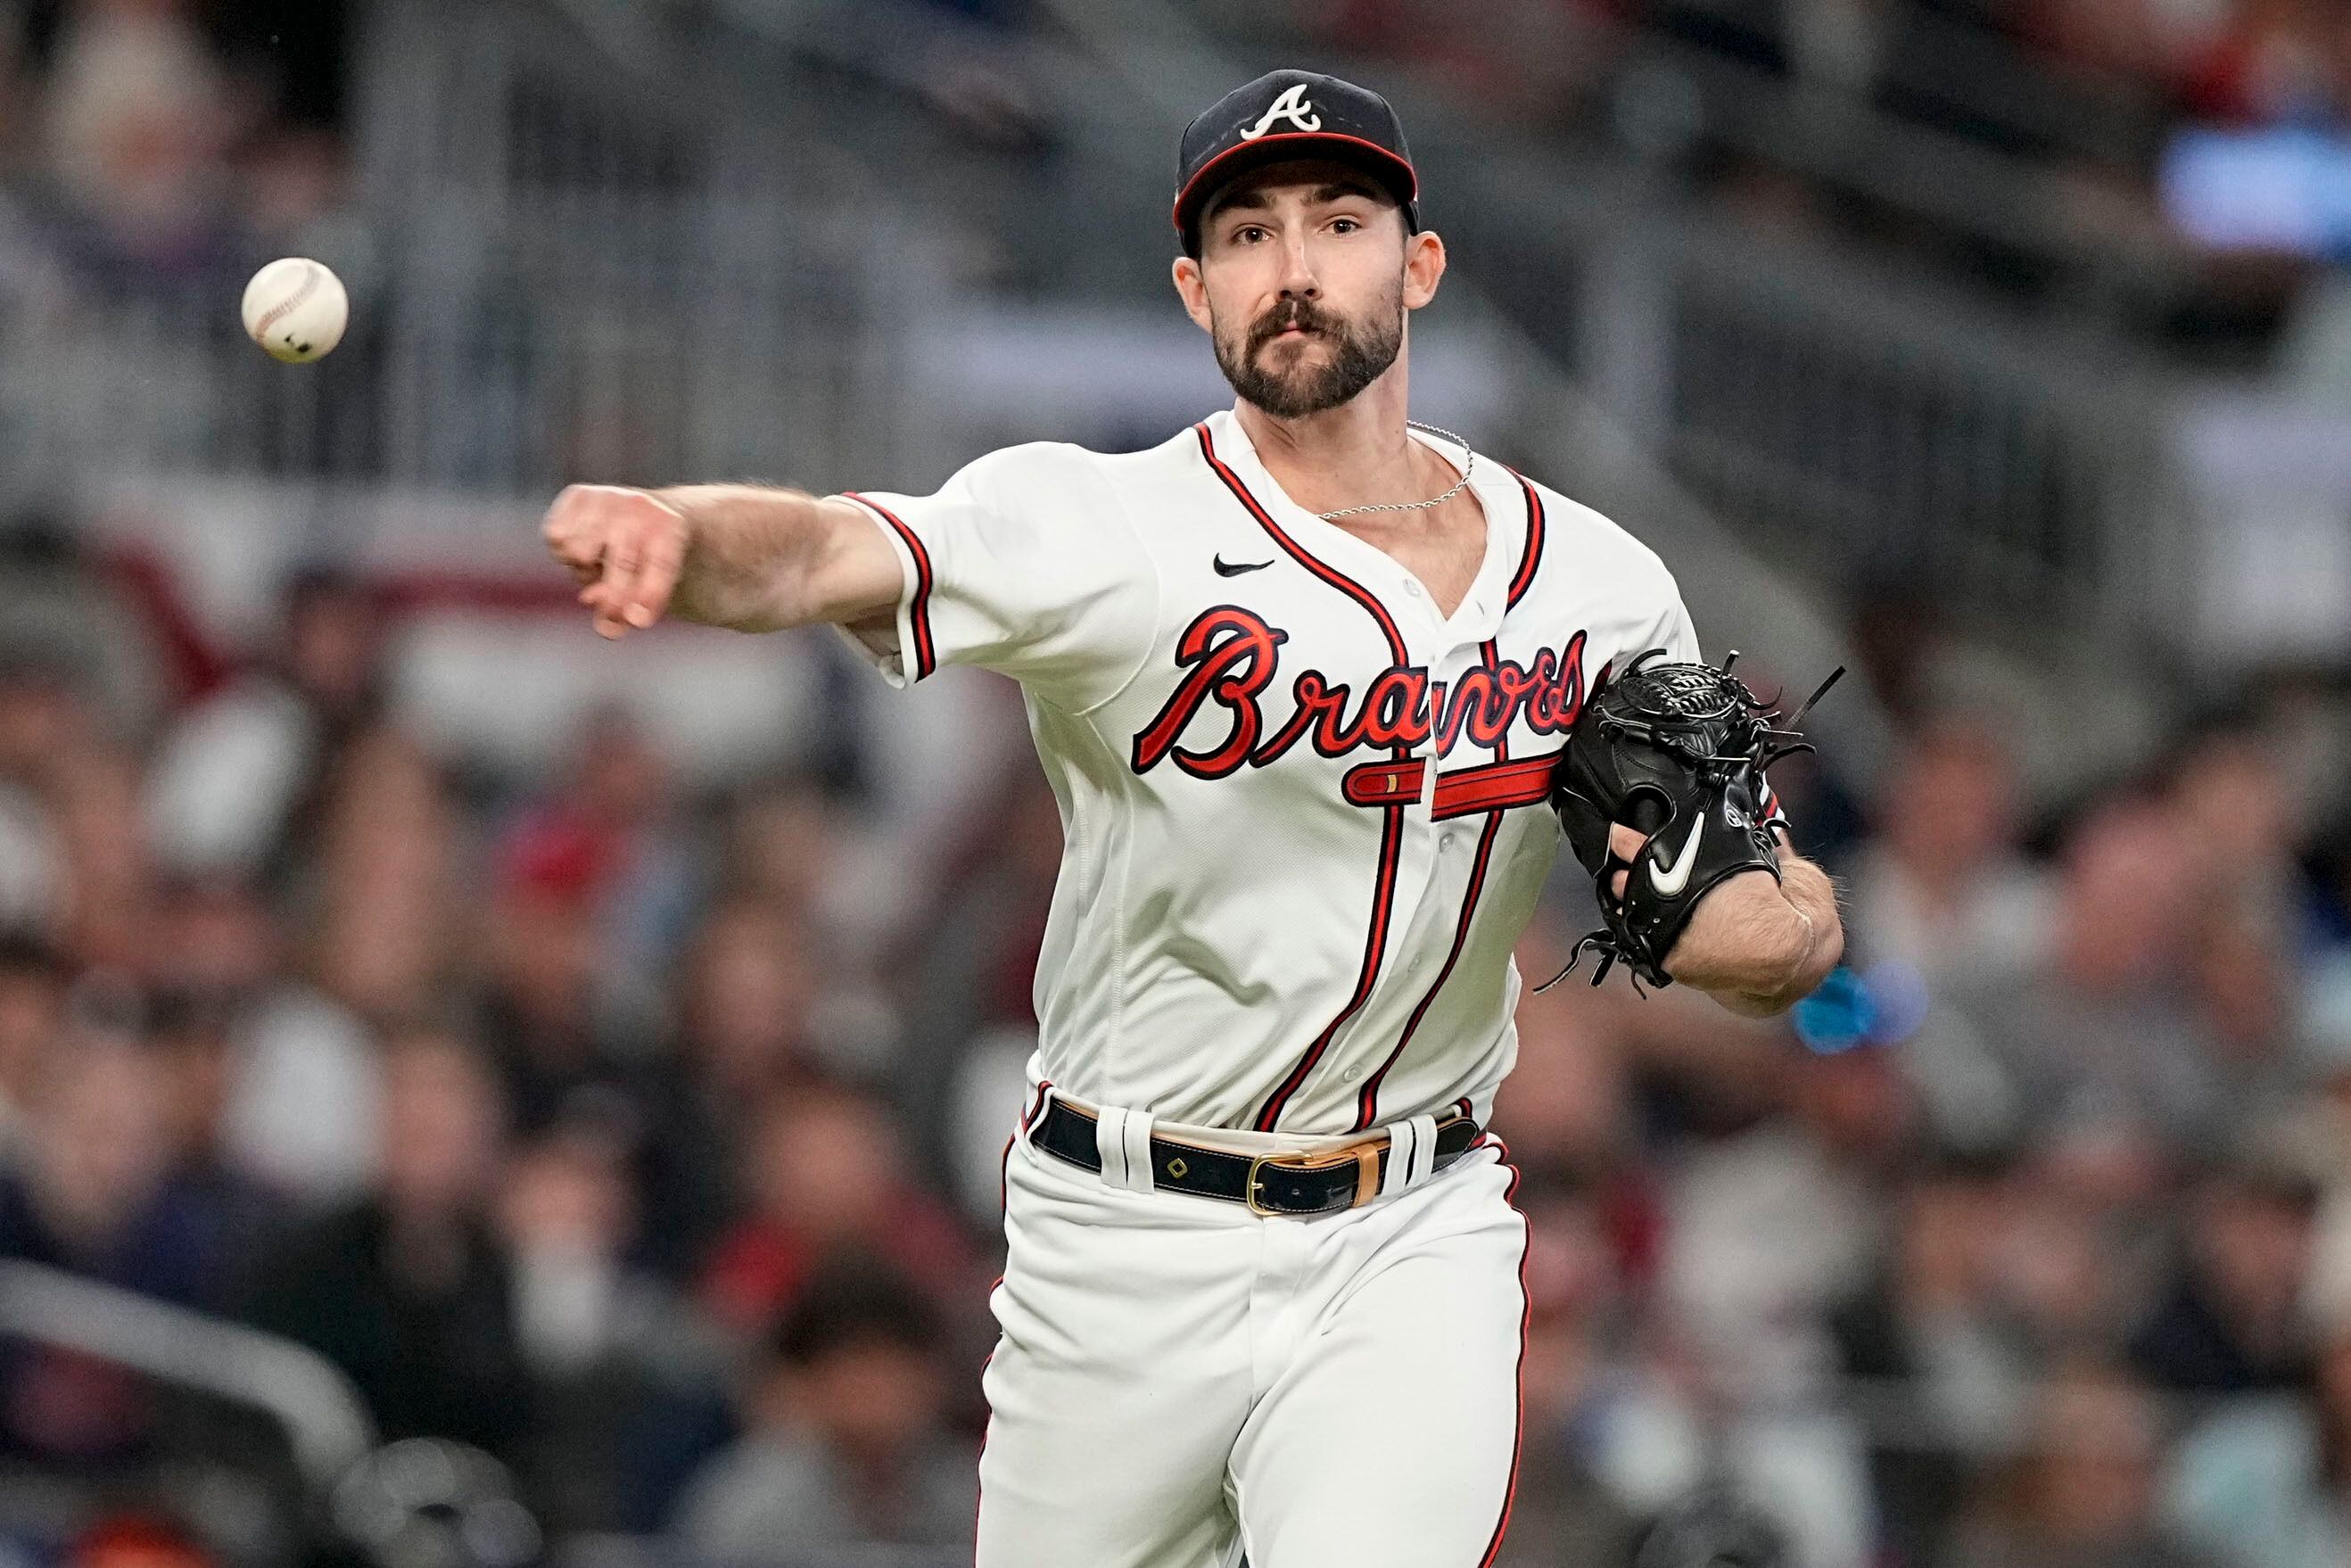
296 309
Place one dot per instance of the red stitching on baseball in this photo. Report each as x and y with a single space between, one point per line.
271 317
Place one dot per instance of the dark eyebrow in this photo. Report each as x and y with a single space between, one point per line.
1247 198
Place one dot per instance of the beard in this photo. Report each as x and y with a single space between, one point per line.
1285 383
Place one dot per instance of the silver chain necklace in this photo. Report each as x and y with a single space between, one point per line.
1469 465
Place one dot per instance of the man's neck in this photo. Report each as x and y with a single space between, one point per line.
1343 457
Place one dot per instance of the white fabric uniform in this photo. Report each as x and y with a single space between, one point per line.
1304 824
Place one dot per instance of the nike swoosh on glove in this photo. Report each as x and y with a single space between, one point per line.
1676 751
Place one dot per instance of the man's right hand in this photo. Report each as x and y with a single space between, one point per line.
624 548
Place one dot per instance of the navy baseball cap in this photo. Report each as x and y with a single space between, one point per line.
1284 115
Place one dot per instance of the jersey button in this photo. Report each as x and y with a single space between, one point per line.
1349 1075
1412 587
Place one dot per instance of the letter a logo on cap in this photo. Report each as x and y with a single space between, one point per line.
1291 106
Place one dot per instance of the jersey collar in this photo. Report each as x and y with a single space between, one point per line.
1479 614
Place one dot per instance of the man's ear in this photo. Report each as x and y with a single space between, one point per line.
1424 267
1193 289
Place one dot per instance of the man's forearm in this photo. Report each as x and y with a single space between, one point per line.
1760 946
746 548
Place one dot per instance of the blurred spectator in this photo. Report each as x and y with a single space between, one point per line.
137 1540
846 1448
94 1191
383 905
2082 1494
2231 1321
1941 1377
2090 1034
2243 985
33 982
93 1194
2266 1483
110 878
301 1111
1578 1404
2264 62
2237 807
611 834
2062 1268
191 1036
56 596
1566 1104
379 912
970 959
827 1173
540 971
746 1002
1569 1112
140 120
237 781
625 1379
1942 887
2316 1125
49 744
1771 1226
785 844
1766 1230
408 1289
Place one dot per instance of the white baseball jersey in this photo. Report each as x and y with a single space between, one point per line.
1303 812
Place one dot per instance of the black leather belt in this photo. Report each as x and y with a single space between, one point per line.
1268 1184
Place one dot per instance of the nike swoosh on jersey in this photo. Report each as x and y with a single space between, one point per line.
1670 881
1235 568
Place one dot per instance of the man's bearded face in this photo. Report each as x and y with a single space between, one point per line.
1301 357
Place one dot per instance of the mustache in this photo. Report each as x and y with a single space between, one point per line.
1303 314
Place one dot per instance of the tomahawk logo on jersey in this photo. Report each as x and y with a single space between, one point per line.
1304 810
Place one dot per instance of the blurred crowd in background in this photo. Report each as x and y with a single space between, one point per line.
594 1124
154 140
2194 154
645 1136
2197 146
2198 151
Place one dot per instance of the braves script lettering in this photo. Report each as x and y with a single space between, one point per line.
1231 656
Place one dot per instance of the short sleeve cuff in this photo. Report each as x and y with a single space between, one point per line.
909 656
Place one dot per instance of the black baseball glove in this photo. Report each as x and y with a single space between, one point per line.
1676 752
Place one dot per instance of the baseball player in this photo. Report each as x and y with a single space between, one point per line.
1301 678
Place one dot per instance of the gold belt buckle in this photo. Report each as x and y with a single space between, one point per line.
1364 1156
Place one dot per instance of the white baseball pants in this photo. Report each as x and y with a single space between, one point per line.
1178 1381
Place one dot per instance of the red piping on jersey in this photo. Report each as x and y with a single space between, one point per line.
1526 1314
1391 831
1382 899
1527 562
1367 1103
918 609
1328 573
